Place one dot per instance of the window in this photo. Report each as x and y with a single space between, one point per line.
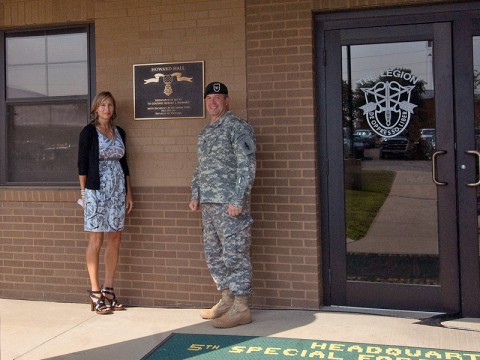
46 92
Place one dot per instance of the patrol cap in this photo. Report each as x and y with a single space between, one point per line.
215 88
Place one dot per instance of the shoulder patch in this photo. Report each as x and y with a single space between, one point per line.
245 142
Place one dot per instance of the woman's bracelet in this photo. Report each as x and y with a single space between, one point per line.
82 192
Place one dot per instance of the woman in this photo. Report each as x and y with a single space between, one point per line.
106 196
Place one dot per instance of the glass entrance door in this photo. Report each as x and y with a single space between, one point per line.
396 183
390 128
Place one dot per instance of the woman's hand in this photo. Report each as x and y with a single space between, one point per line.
129 202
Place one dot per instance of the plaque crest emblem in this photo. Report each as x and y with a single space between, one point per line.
388 108
216 87
167 80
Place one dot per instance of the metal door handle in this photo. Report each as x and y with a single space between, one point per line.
477 154
434 167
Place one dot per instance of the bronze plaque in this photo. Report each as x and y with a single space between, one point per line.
168 90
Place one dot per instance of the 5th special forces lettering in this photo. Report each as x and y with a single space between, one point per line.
338 351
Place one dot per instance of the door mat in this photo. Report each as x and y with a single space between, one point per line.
222 347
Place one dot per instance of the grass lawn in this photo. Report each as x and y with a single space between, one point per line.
362 205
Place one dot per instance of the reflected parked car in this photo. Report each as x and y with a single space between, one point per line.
353 146
347 143
398 146
367 136
358 147
427 142
60 151
427 133
427 146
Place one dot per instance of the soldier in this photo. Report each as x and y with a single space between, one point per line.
222 183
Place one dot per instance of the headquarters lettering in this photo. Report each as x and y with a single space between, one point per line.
337 351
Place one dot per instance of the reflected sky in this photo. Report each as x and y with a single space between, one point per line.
372 60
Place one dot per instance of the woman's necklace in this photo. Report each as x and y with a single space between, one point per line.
106 131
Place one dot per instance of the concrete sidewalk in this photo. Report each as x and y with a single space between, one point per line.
407 221
37 330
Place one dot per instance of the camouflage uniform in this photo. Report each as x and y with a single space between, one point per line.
224 175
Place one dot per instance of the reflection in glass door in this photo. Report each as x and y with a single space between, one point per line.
390 138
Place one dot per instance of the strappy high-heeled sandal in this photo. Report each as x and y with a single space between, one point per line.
111 299
98 306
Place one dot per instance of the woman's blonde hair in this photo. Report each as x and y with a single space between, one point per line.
97 101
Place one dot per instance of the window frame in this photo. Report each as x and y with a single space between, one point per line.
89 29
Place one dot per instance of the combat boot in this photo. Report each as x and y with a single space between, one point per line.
239 314
219 308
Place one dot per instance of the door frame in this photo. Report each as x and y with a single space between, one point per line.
467 196
466 230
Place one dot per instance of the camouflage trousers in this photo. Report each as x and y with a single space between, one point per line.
227 243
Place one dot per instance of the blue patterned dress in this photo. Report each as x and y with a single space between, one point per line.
105 208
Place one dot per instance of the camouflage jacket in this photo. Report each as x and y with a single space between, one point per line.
226 162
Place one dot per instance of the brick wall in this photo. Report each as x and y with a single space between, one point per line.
263 51
42 249
286 250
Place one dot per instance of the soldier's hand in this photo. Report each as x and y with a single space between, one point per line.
233 211
193 205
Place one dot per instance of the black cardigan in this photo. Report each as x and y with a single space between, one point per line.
88 156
